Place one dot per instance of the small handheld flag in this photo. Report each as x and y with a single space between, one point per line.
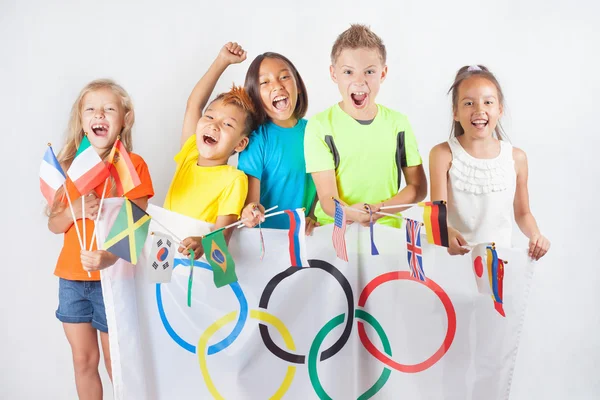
374 251
161 258
297 238
489 273
217 255
339 230
128 233
436 224
87 170
122 169
414 250
52 176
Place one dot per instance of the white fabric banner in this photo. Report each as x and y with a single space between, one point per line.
357 330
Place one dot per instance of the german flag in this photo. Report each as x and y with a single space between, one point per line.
128 233
122 169
436 225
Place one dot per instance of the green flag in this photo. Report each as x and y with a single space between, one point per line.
217 254
128 233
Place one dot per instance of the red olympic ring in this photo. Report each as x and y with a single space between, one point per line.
450 313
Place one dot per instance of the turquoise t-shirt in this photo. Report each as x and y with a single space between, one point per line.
275 156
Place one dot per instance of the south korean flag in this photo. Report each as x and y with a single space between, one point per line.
161 258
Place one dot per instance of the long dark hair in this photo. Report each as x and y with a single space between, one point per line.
463 74
252 86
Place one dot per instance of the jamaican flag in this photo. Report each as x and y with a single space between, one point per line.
128 233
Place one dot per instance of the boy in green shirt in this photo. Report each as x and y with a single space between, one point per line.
358 150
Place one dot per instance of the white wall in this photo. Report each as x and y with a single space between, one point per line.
545 54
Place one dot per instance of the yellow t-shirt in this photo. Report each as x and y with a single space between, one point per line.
205 193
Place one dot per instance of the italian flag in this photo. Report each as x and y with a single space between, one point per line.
87 170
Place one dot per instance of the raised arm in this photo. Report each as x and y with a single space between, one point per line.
231 53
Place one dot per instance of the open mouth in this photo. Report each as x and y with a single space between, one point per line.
100 129
209 139
359 99
479 123
280 103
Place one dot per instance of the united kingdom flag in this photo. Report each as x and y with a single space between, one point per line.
413 249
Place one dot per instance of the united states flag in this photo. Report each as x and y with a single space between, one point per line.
339 230
413 249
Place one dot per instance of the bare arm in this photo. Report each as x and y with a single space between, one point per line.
195 242
253 203
538 244
61 221
327 189
231 53
414 191
440 161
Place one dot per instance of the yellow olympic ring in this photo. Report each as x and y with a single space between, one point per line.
261 316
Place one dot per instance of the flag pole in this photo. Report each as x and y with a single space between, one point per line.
98 216
241 222
377 212
73 216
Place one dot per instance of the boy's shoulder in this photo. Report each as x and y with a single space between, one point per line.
390 114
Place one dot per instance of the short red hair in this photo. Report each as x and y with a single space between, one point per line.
238 97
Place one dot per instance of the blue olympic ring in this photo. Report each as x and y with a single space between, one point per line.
223 344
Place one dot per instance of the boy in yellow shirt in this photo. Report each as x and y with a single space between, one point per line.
204 186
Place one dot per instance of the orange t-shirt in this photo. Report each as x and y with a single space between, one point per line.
69 265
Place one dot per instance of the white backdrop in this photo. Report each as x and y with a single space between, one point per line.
544 53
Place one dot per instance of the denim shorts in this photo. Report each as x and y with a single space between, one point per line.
81 302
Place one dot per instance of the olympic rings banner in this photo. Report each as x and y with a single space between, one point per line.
335 330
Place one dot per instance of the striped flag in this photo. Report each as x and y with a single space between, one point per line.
297 238
87 170
436 225
413 249
122 169
339 230
489 273
52 176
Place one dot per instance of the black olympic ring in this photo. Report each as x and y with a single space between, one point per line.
264 302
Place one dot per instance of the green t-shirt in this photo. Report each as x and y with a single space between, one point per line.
365 157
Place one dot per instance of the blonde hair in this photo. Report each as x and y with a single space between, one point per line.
356 37
75 131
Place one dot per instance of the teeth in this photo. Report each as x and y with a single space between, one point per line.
279 98
359 93
211 136
98 126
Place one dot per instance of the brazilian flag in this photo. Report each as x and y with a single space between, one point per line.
217 254
128 233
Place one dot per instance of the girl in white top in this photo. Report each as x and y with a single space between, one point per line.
481 176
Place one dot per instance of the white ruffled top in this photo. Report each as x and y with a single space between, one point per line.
481 194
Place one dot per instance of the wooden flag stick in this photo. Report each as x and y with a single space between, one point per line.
73 215
98 216
240 223
377 212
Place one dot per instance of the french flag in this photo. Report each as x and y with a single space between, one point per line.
52 176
